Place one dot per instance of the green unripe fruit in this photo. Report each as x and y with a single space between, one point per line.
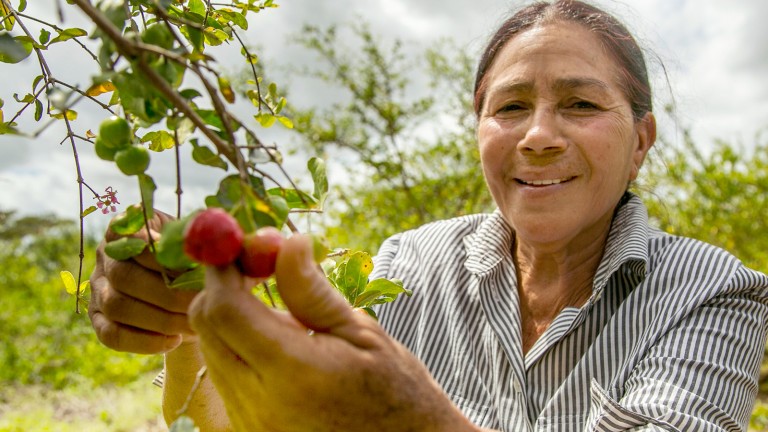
158 34
133 160
104 152
115 132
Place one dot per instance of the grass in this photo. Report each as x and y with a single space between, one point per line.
134 407
130 408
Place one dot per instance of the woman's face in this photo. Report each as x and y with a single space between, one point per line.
557 138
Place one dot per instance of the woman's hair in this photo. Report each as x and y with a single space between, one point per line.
614 36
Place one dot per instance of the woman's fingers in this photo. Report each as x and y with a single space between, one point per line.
306 291
227 310
132 312
130 339
146 285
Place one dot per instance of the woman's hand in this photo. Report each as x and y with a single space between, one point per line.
275 376
131 307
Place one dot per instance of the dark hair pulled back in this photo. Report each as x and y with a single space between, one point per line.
614 36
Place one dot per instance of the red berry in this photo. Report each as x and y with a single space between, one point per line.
259 254
213 237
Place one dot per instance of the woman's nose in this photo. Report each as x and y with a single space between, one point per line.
543 134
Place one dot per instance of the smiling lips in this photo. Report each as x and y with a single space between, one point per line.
547 182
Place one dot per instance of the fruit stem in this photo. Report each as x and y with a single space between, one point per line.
269 294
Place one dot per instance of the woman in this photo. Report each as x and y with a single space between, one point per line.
563 310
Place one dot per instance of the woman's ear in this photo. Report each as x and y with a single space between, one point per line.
646 137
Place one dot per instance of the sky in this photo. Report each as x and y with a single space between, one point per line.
715 54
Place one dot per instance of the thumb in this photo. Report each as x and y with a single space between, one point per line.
305 290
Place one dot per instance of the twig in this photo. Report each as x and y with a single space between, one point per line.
80 183
195 385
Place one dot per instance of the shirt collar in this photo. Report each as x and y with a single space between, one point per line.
627 243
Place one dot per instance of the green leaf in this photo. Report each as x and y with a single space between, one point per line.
226 89
380 291
371 313
67 34
36 81
124 248
319 177
230 190
85 294
214 36
197 7
22 5
266 120
45 36
170 249
194 36
190 94
182 127
236 18
38 110
205 156
4 11
138 97
295 199
14 49
285 121
129 222
69 280
115 12
28 98
352 275
69 114
211 118
8 129
193 280
280 210
88 211
159 140
147 188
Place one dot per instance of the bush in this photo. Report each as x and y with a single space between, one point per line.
44 340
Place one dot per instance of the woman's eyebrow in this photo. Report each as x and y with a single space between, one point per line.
560 85
575 83
512 87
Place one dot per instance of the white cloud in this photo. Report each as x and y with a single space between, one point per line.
715 52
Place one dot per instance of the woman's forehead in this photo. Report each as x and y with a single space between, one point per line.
569 51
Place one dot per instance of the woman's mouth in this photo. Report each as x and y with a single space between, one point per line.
544 182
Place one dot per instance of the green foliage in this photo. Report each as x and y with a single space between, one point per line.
404 176
350 277
44 341
718 196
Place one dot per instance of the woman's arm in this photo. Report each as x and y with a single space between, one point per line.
183 375
132 310
701 375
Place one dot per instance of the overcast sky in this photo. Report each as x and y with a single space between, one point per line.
715 52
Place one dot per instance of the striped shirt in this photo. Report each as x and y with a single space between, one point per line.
671 338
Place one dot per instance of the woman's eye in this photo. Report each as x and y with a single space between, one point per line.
511 107
583 105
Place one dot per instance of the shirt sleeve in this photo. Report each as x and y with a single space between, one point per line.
702 375
383 259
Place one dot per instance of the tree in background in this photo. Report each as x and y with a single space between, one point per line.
719 195
402 179
43 341
402 174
